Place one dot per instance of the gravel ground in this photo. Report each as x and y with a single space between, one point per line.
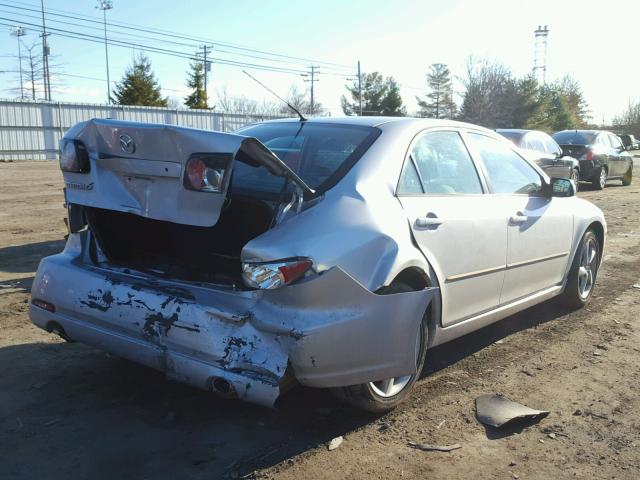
70 411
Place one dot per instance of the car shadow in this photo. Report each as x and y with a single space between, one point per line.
74 412
25 258
104 417
442 356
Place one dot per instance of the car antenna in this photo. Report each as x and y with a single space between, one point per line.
302 118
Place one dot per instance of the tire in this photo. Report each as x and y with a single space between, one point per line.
370 396
600 180
584 268
626 180
575 177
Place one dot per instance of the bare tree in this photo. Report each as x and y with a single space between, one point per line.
33 72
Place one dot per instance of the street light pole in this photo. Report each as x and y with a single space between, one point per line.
105 5
20 32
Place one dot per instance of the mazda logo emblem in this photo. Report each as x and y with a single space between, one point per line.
127 144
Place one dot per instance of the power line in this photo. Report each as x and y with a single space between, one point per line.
163 40
176 35
146 48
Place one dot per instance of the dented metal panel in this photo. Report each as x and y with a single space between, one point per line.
138 168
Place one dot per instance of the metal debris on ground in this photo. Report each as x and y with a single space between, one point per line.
335 443
434 448
496 411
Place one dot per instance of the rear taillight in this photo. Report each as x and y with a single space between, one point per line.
73 157
49 307
270 275
206 172
589 155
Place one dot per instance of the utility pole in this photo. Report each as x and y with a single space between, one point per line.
105 5
207 68
45 57
20 32
359 88
313 71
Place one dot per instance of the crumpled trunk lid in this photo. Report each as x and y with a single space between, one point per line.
139 168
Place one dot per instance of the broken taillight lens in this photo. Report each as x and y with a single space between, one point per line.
270 275
205 172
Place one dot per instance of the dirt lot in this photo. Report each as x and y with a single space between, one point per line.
70 411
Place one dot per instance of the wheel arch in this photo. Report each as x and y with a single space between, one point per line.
418 279
598 229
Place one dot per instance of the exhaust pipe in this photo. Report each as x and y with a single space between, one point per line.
223 388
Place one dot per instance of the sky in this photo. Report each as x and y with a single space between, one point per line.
595 42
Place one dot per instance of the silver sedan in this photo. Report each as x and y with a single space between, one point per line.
328 252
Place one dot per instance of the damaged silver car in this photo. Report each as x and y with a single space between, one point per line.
328 252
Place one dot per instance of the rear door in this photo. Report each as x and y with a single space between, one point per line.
461 231
539 228
619 160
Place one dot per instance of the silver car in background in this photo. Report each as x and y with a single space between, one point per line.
332 252
542 149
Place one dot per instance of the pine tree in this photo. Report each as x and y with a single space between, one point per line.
380 96
139 86
439 102
195 81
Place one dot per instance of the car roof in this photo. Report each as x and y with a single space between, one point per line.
591 132
380 121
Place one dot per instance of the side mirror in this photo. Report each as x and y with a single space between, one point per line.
562 187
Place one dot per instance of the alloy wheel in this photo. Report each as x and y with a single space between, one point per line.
603 177
587 268
575 178
392 386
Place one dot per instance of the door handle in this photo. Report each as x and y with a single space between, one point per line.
429 220
517 219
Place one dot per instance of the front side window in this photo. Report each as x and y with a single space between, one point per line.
507 172
443 165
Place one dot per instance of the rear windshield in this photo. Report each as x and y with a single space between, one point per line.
513 136
321 154
574 138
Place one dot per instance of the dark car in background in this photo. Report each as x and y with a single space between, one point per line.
543 150
601 154
629 141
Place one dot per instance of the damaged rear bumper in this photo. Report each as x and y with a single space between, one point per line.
329 330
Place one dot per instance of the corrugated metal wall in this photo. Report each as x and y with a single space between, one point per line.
32 130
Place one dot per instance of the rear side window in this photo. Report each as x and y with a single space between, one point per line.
438 164
506 171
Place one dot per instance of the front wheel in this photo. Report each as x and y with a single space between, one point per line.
584 269
385 395
626 180
601 180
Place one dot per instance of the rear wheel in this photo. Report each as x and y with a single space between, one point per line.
385 395
600 181
575 177
626 180
584 269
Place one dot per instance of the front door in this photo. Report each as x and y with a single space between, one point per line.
461 230
539 227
